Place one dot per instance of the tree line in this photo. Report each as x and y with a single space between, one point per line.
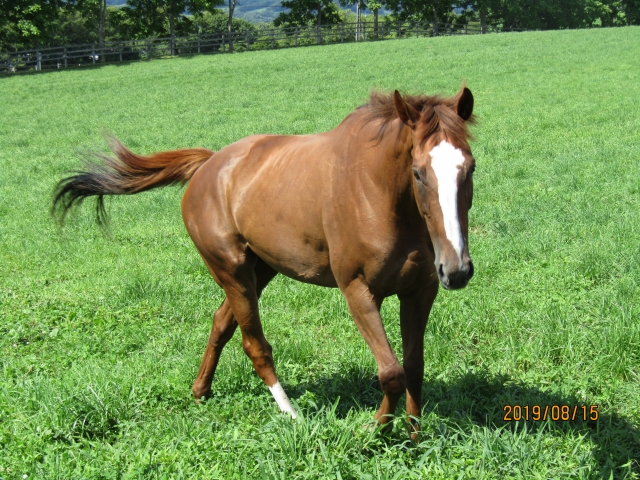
527 14
26 24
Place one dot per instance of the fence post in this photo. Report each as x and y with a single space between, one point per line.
198 39
93 54
319 35
342 33
38 61
272 40
65 57
466 27
450 29
399 31
148 50
296 36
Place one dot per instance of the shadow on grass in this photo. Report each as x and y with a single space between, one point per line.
478 399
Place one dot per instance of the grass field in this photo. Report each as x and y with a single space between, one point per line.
101 335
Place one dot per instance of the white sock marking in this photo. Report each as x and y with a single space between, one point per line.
446 161
282 400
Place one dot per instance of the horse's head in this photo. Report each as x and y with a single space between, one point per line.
443 179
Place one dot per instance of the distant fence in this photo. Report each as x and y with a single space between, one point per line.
53 58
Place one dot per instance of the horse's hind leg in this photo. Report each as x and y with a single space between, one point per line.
223 328
240 282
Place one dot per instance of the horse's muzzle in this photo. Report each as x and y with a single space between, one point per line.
457 278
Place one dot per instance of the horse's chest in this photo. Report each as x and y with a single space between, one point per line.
399 266
412 270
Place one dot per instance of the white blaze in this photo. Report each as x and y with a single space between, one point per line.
446 161
282 400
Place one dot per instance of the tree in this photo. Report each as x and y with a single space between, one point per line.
217 22
374 6
427 10
232 7
617 12
149 18
71 28
94 14
533 14
27 23
305 12
142 19
631 9
360 5
484 9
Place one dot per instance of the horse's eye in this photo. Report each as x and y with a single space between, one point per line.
416 174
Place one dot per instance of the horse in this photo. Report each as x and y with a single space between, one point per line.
376 207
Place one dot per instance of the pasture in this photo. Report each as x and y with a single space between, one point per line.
101 334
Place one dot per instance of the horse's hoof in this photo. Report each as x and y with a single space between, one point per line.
202 397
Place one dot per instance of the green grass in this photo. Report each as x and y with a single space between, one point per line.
101 335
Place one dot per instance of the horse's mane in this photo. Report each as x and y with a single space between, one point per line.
438 114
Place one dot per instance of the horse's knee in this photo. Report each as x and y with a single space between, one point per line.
393 380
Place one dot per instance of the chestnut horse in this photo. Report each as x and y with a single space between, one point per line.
376 207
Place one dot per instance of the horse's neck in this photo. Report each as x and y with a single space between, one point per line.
380 155
393 160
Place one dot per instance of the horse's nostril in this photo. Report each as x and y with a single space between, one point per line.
470 272
440 271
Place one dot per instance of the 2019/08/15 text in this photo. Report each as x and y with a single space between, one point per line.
554 412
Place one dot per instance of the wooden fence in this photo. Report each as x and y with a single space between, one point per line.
53 58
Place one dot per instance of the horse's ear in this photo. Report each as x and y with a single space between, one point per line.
406 112
464 106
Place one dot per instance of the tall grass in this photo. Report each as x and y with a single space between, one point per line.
101 334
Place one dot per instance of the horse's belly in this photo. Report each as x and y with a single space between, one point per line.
298 260
277 206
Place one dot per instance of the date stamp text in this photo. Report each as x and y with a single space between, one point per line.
540 413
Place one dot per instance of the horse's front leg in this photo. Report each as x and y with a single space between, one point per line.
365 310
414 313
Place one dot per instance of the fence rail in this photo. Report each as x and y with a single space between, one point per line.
53 58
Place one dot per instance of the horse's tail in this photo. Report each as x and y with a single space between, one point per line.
124 174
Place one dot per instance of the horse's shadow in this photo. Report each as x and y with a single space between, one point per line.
479 399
